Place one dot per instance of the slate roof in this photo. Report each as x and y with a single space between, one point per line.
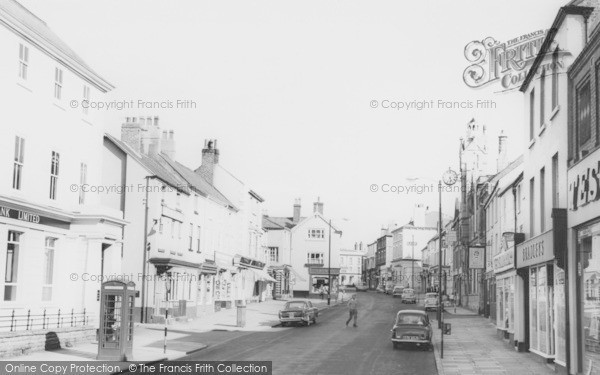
15 16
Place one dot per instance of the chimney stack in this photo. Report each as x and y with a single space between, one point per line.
131 133
384 231
318 206
297 207
502 150
210 158
167 144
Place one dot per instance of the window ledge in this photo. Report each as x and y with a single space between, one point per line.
542 129
531 143
23 85
554 112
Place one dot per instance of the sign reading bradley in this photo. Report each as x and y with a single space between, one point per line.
507 63
536 250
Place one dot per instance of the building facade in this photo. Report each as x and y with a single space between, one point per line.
49 227
583 203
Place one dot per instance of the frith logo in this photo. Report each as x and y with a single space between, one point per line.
508 63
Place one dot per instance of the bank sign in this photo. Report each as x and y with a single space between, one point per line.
537 250
30 217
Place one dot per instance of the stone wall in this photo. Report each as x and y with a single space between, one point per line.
25 342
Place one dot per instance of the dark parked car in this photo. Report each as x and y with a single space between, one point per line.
412 327
298 312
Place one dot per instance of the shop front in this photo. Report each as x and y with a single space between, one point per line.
584 221
319 281
544 294
505 275
254 282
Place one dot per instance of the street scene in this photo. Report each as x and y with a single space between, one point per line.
265 187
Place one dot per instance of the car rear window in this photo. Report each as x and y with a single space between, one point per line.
431 295
295 305
411 319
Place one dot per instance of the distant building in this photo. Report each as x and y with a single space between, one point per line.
351 265
310 262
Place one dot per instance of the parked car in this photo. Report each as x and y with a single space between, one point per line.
412 327
431 301
360 287
298 312
397 292
408 296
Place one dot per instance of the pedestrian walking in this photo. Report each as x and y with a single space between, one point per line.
321 292
352 308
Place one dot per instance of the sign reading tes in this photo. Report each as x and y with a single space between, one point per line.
585 185
536 250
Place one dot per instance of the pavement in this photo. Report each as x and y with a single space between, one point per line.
148 342
473 348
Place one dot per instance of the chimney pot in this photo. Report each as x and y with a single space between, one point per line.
210 158
297 208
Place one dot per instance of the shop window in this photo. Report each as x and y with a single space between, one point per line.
48 270
588 255
11 265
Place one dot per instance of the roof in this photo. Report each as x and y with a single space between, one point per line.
269 223
34 30
570 8
174 173
152 165
196 182
279 222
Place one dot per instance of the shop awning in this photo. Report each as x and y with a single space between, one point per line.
262 275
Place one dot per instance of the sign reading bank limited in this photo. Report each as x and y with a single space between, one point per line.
536 250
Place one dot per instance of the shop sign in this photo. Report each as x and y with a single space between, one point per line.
584 182
504 261
476 257
29 217
324 271
252 263
536 250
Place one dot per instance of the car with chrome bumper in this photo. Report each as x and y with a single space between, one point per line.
431 301
408 296
412 327
298 312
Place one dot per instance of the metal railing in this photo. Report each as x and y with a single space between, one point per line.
28 321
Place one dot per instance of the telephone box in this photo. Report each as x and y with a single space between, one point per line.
115 341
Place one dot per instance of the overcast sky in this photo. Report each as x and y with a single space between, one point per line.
286 88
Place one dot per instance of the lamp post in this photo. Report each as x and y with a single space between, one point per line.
168 290
329 268
412 272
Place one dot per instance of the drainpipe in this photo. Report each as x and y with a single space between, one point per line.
144 260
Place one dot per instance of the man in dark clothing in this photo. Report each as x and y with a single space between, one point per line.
352 306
